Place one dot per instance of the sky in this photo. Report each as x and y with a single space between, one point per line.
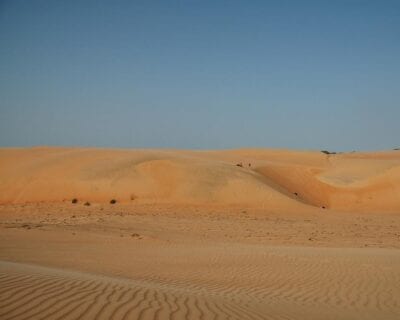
200 74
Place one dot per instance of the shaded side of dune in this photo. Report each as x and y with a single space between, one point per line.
272 179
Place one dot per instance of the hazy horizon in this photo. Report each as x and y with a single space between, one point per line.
304 75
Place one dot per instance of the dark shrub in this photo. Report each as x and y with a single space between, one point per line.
87 203
239 164
74 200
327 152
113 201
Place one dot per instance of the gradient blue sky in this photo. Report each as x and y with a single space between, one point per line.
200 74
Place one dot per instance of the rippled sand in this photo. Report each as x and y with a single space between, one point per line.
127 262
238 234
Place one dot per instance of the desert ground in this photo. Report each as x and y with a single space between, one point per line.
230 234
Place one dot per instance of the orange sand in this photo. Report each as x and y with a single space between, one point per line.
357 182
194 236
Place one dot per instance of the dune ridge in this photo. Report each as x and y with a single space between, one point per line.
277 179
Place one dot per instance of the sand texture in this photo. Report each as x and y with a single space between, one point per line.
192 235
275 179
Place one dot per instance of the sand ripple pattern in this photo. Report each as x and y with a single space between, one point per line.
30 292
268 283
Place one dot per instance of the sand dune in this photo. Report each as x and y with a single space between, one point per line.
285 235
279 180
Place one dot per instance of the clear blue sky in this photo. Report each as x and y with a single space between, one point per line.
200 74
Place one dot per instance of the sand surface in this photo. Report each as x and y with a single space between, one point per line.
195 236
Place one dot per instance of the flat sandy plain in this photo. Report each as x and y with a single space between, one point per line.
193 235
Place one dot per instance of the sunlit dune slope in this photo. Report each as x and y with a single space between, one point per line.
272 179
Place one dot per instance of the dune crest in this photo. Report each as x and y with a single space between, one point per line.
274 179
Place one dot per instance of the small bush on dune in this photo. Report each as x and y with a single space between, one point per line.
113 201
327 152
87 203
74 200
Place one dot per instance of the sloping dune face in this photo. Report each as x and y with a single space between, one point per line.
272 179
347 182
